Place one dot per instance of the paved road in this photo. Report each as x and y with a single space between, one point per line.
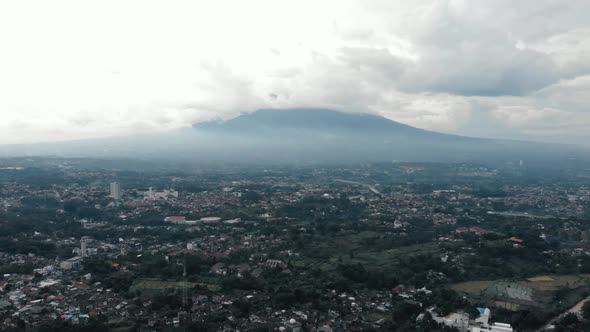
574 310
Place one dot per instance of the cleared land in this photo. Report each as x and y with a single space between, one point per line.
530 292
541 283
164 286
349 249
552 283
472 288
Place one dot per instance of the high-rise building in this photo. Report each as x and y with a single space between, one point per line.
84 245
115 190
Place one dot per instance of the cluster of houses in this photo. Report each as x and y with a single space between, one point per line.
52 294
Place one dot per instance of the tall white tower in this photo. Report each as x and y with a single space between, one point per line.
84 245
115 190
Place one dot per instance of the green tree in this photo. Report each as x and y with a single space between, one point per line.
586 310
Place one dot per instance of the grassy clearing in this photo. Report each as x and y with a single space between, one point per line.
349 249
388 259
472 288
157 285
374 315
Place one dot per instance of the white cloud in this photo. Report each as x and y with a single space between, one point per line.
77 69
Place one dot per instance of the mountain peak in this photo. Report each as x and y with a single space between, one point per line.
305 118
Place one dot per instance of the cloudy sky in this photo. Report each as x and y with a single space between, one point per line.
497 68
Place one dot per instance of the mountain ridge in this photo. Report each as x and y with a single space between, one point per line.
302 136
312 118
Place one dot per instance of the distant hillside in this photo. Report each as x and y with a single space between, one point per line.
317 119
319 134
305 136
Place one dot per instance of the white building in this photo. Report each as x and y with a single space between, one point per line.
72 263
84 245
496 327
156 195
460 321
115 190
210 220
484 315
481 323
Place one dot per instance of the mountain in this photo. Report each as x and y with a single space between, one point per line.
304 136
326 135
316 119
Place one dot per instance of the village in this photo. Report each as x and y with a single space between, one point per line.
284 254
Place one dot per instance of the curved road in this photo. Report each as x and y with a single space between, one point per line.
577 309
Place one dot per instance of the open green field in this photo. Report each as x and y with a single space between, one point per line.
164 286
386 259
472 288
374 315
349 249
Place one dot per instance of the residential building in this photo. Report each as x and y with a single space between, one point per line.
115 190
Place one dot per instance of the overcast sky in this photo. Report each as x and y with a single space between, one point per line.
496 68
